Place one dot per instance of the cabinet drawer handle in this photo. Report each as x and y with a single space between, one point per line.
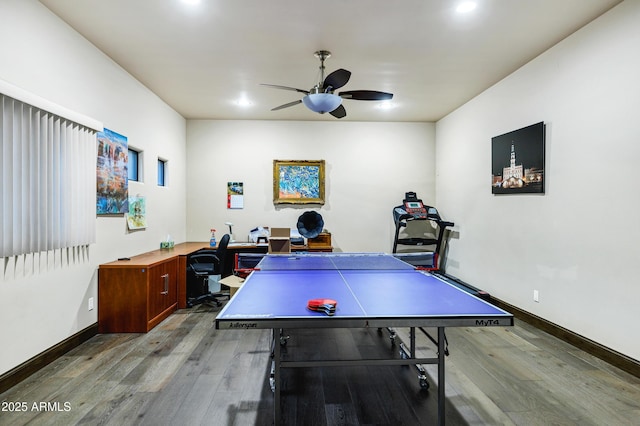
165 280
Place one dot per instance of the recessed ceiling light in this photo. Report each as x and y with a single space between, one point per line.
466 6
244 102
386 105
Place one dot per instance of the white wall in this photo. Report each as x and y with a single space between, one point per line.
578 243
369 167
42 305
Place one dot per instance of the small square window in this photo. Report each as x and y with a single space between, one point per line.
162 172
133 170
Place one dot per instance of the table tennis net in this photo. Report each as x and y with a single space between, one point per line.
333 261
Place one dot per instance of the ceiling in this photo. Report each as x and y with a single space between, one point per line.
201 59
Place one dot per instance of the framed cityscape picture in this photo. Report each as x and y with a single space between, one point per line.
298 182
517 161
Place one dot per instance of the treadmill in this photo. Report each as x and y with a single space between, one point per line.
413 208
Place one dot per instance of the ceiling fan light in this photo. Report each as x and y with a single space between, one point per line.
322 102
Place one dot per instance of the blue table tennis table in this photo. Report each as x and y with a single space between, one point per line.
371 290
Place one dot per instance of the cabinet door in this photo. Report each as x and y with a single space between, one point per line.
158 283
162 289
122 300
171 289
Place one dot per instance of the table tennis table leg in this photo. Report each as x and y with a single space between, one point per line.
410 353
276 385
422 372
441 393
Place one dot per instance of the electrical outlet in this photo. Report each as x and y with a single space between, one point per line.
90 304
536 296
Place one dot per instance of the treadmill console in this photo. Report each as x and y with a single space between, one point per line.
415 209
413 206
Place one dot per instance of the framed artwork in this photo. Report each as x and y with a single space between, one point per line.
137 217
235 195
298 182
517 161
112 192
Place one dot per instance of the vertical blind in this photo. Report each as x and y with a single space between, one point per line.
48 187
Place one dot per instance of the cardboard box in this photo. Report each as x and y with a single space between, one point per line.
233 282
280 240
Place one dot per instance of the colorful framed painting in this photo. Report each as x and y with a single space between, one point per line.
298 182
517 161
112 192
137 217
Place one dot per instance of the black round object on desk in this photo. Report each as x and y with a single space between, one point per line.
310 224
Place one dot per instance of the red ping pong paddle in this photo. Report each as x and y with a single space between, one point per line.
327 306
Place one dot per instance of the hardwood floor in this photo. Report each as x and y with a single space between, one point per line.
186 372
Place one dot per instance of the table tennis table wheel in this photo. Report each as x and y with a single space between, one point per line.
283 338
424 383
392 335
272 377
403 351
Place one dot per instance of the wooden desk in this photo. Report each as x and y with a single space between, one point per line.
136 295
233 248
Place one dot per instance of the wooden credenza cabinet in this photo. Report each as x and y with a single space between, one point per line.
136 295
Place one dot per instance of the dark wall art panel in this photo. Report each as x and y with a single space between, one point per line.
517 161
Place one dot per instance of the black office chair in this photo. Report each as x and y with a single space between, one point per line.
200 266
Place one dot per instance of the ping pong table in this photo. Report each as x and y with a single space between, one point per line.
371 290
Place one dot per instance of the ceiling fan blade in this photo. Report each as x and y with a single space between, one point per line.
336 79
366 95
290 104
339 112
275 86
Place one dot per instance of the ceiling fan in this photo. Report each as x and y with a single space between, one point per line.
321 97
